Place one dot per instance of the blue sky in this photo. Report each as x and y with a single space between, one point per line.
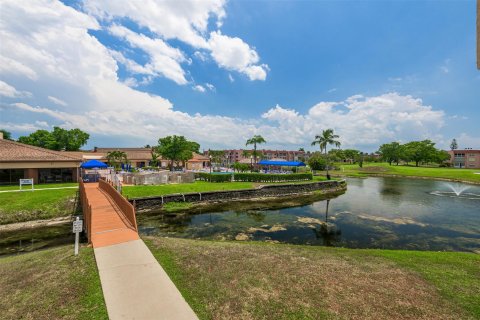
219 72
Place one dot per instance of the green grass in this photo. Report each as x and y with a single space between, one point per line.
197 186
255 280
456 275
51 284
35 205
410 171
40 186
176 206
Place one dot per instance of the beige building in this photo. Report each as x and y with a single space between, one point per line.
22 161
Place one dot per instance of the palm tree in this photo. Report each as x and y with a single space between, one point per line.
326 138
256 139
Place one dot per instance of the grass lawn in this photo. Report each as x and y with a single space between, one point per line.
402 170
234 280
197 186
51 284
40 186
34 205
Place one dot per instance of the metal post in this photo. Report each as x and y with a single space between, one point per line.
77 236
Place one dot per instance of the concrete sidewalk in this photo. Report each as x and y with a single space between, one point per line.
135 286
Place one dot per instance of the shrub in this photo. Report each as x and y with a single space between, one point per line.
211 177
266 177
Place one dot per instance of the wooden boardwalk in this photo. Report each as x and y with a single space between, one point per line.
109 225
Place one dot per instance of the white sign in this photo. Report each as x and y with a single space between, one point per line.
26 181
77 226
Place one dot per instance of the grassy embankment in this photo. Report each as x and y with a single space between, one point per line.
409 171
226 280
197 186
37 204
51 284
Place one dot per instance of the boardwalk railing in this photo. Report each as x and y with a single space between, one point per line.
87 211
126 207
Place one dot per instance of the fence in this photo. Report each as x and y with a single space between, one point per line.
87 211
126 207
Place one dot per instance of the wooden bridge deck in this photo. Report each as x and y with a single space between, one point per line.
109 225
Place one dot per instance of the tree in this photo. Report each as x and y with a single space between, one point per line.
454 145
39 138
176 149
441 156
59 139
301 149
317 161
6 134
216 156
326 138
241 167
390 152
257 139
155 159
420 151
116 158
351 154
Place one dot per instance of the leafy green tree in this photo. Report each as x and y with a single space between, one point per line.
40 138
176 149
454 145
317 161
155 159
6 134
336 155
257 139
420 151
441 156
391 152
351 154
59 139
116 158
325 139
241 167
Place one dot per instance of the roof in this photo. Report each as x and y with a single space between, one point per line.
282 163
198 158
12 151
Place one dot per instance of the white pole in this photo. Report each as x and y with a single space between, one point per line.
76 240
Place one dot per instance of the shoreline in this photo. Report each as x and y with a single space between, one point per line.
26 225
386 175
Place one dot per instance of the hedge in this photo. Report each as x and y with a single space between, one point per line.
253 177
211 177
267 177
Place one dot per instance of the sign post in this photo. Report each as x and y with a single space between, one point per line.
26 181
77 228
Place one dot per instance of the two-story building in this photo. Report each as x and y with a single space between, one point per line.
466 158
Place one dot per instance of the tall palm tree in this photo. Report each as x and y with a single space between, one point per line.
326 138
257 139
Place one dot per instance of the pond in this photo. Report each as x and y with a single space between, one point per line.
393 213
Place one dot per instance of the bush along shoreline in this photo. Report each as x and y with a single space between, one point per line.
253 177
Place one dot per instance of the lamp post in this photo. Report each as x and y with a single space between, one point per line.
210 156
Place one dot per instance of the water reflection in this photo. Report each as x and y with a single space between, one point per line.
373 213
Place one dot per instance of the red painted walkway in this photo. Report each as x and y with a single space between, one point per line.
109 225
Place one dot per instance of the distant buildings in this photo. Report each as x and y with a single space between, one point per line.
242 155
466 158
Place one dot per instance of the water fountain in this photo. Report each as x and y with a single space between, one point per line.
457 191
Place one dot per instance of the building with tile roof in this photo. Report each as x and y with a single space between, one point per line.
23 161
